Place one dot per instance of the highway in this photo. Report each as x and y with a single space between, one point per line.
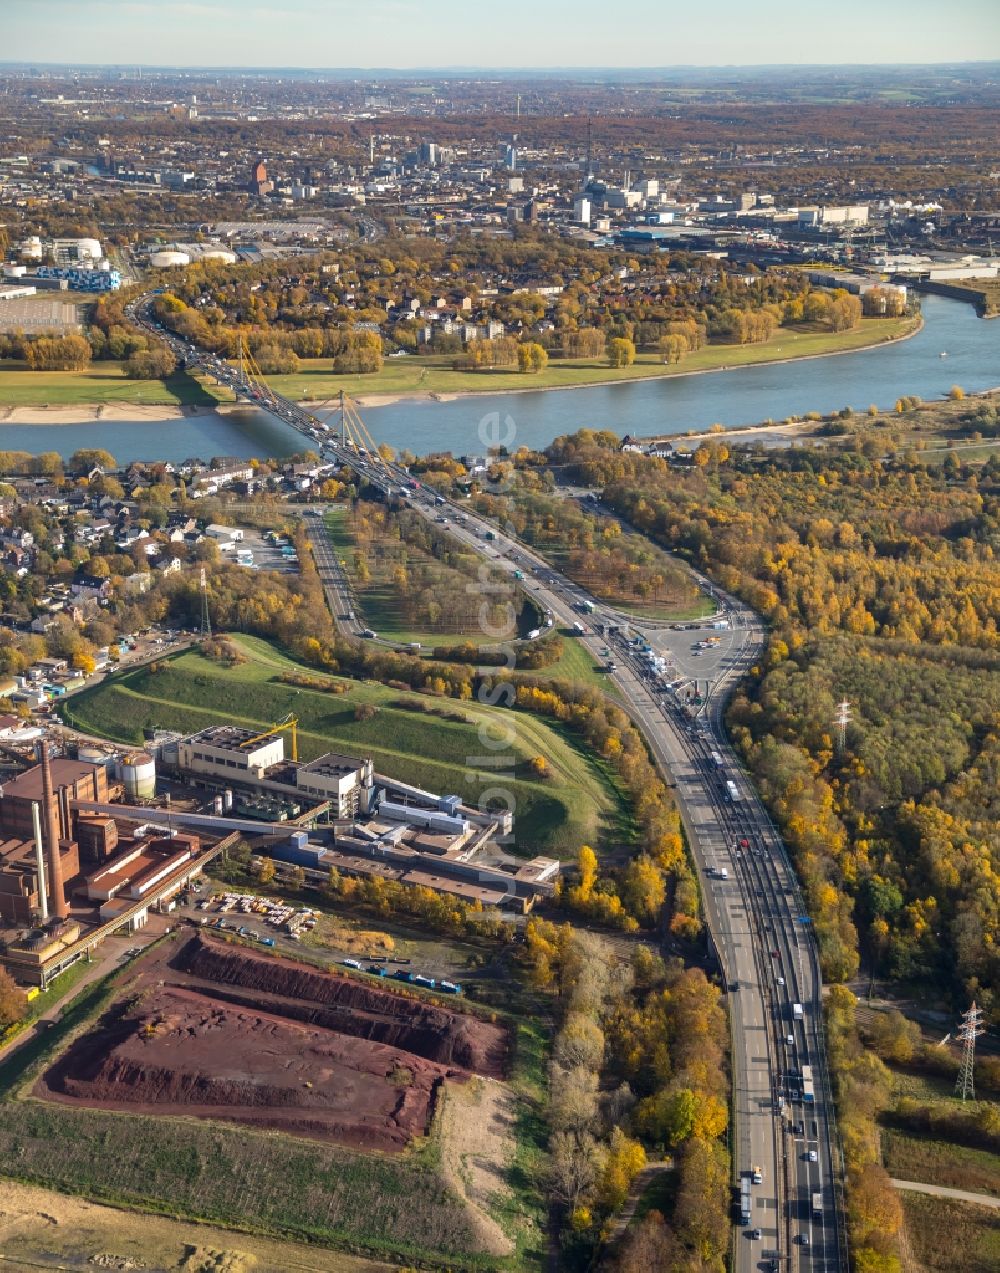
784 1125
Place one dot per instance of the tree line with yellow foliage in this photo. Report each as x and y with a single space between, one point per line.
879 585
638 1069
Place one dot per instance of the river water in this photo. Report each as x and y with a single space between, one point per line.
745 395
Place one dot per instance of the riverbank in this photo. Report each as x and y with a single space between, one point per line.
103 392
432 379
111 413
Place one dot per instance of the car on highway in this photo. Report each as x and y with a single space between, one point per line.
812 1156
367 632
753 1235
803 1239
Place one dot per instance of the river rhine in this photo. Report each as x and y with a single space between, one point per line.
745 395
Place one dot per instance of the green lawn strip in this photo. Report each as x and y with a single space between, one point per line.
909 1156
659 1195
576 663
104 383
946 1235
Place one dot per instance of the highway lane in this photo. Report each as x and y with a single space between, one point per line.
752 910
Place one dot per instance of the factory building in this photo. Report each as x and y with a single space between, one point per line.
20 899
71 780
227 751
345 781
241 757
848 214
133 874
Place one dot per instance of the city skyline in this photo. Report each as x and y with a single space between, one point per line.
396 34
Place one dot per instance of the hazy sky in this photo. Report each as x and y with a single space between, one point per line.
511 33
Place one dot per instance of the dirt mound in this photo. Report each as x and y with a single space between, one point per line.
216 1031
180 1051
352 1007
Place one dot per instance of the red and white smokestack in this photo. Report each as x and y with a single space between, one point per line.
57 893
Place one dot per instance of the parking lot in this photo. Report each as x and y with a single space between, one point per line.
267 554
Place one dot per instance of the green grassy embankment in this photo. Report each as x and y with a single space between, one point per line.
103 384
578 803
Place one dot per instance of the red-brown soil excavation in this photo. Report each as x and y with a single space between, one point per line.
279 1046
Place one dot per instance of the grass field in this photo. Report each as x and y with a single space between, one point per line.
935 1161
264 1183
945 1235
577 804
103 383
379 598
434 373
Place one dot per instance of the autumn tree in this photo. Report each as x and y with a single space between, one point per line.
621 352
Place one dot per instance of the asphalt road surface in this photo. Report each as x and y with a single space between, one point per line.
784 1123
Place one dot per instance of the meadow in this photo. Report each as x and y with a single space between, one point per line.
417 375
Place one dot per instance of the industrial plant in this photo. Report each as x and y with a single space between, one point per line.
95 840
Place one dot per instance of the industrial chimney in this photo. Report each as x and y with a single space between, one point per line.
57 893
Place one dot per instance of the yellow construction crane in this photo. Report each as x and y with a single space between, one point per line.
290 722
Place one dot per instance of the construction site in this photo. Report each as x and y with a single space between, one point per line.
213 1030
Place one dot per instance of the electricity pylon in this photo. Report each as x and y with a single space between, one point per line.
842 720
970 1030
206 622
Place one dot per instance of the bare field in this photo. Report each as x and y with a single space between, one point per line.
41 1229
215 1031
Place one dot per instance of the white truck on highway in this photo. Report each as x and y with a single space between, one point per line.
797 1013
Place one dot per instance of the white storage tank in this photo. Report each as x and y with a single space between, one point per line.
96 754
217 254
139 776
167 257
